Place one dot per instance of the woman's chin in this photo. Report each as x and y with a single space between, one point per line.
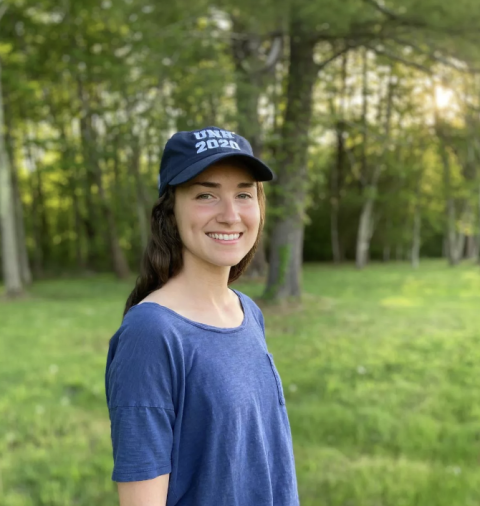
226 260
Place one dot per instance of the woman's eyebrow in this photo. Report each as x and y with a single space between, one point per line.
210 184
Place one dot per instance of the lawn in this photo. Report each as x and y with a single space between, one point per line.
379 367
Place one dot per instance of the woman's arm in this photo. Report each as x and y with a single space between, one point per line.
144 493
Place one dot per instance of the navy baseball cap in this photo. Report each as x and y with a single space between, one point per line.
186 154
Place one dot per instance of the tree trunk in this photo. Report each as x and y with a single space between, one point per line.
460 247
365 226
289 191
449 209
338 168
449 199
25 271
445 246
90 221
334 233
416 242
466 219
363 168
471 249
367 208
476 250
12 272
417 225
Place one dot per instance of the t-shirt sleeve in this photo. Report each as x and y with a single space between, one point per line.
140 383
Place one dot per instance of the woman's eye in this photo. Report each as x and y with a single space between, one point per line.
245 196
204 196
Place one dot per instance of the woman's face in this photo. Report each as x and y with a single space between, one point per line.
218 214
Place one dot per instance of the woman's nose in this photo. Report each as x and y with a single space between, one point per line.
228 212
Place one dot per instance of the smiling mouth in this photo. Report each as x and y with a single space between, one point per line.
225 237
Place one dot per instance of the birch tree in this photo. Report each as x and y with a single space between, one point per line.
10 250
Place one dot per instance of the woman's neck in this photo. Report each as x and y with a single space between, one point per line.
201 284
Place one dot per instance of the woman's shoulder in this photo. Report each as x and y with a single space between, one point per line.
146 325
145 314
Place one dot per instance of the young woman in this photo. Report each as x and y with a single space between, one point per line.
197 410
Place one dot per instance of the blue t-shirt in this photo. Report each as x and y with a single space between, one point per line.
202 403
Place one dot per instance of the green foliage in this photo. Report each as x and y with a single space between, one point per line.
133 72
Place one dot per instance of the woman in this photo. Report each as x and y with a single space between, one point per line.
197 411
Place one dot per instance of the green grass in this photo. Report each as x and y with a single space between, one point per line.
379 367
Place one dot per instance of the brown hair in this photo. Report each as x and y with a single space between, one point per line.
163 257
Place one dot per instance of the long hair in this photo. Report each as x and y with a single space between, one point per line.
163 256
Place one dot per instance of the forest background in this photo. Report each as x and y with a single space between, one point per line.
367 110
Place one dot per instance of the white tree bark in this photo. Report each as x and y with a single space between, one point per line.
365 229
25 271
10 142
461 239
11 258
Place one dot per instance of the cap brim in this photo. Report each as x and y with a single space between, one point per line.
260 171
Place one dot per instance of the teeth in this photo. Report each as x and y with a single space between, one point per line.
225 237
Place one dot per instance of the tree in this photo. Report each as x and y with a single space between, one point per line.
370 182
291 187
10 249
